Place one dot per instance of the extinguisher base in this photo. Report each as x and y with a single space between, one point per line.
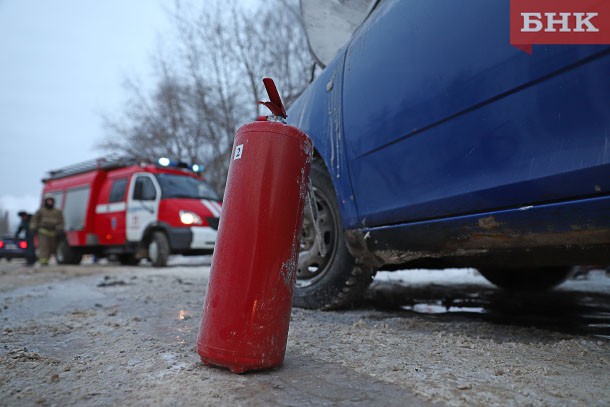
233 369
237 363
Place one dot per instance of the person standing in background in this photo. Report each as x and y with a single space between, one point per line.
48 222
24 226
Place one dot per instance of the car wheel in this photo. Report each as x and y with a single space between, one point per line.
128 259
526 279
158 249
332 279
66 254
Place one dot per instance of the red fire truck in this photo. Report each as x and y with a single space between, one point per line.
133 209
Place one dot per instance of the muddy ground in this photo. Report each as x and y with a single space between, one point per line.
101 334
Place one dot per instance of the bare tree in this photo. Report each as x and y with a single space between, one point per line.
210 85
273 43
4 222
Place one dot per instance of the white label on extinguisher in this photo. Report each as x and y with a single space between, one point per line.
238 150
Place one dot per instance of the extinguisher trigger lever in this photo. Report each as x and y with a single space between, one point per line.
275 102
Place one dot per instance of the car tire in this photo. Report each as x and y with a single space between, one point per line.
526 279
66 254
335 280
128 259
158 249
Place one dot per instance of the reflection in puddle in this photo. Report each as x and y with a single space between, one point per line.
439 309
577 306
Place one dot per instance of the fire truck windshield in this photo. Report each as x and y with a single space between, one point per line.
179 186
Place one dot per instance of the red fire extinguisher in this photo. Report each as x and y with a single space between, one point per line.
244 325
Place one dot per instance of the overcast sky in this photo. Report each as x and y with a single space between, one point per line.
62 64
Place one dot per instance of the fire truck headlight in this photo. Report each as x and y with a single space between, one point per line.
190 218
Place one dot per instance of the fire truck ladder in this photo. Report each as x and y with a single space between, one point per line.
103 163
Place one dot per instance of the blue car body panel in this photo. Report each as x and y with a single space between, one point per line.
578 228
430 115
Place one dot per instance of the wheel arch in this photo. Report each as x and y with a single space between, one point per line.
318 113
342 185
152 228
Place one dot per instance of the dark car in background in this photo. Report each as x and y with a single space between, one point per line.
438 144
11 248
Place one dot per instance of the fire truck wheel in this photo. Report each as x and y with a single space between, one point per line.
158 249
67 255
331 278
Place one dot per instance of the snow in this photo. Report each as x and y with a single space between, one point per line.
425 276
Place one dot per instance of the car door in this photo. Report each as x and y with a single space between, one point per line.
443 117
142 205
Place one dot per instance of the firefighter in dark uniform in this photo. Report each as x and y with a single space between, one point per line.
48 222
24 226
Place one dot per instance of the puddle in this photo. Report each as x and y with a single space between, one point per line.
438 308
577 306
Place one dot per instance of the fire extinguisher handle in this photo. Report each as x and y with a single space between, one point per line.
275 101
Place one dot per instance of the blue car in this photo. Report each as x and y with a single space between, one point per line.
438 144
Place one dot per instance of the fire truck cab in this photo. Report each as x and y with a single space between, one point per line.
133 209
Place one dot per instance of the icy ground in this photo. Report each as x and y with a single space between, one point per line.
102 335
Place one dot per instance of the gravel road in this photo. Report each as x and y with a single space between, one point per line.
100 335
